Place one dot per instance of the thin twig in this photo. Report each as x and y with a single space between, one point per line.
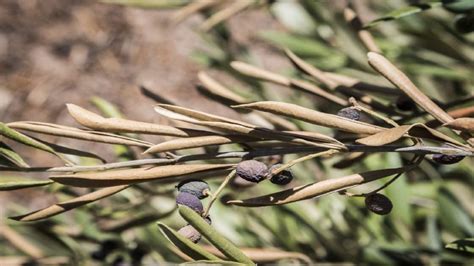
218 191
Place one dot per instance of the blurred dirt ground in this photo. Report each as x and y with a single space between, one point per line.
54 52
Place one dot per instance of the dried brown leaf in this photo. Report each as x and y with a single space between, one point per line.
314 117
131 176
317 189
401 81
75 133
261 133
224 14
259 73
416 130
194 142
255 72
464 124
310 70
201 116
97 122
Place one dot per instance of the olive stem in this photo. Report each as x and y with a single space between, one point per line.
301 159
218 192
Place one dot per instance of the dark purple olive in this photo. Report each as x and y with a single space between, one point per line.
378 203
349 113
190 201
282 178
252 170
198 188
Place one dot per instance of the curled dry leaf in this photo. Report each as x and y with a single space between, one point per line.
401 81
131 176
314 117
69 204
317 189
464 124
97 122
260 255
194 142
416 130
75 133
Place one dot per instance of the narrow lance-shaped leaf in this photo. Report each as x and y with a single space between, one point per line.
194 142
403 12
185 245
140 219
260 255
191 8
13 157
21 242
221 243
225 13
75 133
12 134
253 131
97 122
106 107
310 70
213 262
256 72
67 150
462 245
215 88
131 176
202 116
21 184
463 124
148 3
399 79
416 130
314 117
216 91
317 189
70 204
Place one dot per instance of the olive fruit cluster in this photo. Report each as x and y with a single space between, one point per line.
378 203
190 194
255 171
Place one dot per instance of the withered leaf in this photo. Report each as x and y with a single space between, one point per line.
317 189
401 81
97 122
194 142
314 117
75 133
131 176
416 130
463 124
